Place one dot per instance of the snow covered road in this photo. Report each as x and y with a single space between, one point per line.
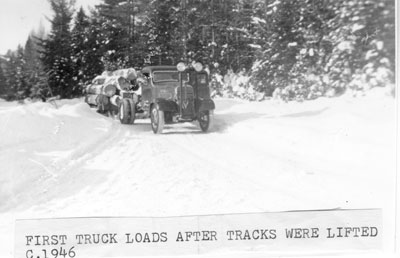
267 156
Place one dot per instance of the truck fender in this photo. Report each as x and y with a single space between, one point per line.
205 104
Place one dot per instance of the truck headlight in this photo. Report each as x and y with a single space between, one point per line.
181 66
198 67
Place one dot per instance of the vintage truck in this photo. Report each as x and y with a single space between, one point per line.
170 94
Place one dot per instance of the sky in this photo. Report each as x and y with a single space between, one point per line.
19 17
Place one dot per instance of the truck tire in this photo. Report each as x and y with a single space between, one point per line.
124 111
157 119
205 121
132 113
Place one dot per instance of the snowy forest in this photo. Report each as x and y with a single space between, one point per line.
252 49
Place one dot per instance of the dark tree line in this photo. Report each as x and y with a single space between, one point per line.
303 47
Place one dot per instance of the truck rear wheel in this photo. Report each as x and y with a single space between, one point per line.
126 112
205 121
132 116
157 119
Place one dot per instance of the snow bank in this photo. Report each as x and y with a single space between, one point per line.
38 138
261 156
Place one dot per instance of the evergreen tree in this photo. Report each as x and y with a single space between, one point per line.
82 60
235 33
31 54
33 66
309 48
122 32
15 73
57 51
3 81
164 28
197 31
116 38
23 88
304 47
95 46
364 33
219 32
278 36
133 16
9 68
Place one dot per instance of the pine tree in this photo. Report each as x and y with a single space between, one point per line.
16 77
277 57
133 14
9 68
22 85
196 29
95 46
57 51
218 33
36 75
241 36
115 36
33 65
311 48
82 60
164 43
3 82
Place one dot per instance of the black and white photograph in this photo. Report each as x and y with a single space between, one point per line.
198 128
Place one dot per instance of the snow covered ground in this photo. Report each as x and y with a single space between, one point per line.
260 157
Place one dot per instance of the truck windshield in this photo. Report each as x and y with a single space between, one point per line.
168 76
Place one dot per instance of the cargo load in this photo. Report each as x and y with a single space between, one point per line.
105 89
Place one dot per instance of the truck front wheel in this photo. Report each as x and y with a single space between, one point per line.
157 119
205 121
